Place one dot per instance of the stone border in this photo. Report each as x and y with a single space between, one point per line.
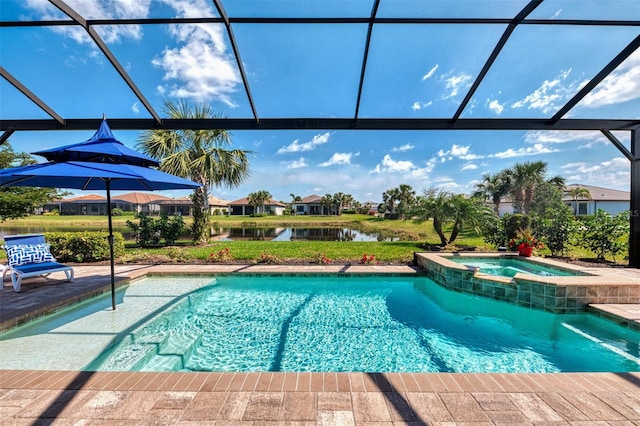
556 294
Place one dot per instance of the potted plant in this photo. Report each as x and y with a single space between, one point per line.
525 242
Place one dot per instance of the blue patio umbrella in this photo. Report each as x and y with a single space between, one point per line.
94 176
102 147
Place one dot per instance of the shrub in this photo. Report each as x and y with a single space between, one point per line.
557 228
170 229
222 255
146 231
89 246
149 231
322 259
268 258
493 232
605 234
513 222
368 259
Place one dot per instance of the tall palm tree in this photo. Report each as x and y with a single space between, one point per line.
578 193
389 197
342 200
524 178
294 199
327 201
493 187
406 199
258 200
200 155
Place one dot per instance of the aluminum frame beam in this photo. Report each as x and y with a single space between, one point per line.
634 207
71 13
324 124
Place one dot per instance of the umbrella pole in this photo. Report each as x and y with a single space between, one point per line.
110 237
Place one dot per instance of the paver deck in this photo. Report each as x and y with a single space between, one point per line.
68 397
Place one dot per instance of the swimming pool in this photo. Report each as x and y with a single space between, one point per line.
509 266
315 323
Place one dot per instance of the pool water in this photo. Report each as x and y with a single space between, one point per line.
369 324
509 267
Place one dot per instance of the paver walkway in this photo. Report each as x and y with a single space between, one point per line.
29 397
106 398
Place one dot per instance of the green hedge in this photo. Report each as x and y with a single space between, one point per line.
84 246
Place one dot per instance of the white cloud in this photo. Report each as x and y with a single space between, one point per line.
418 106
402 148
96 9
469 166
551 94
431 72
454 83
536 149
557 14
339 158
422 172
135 107
296 146
613 173
457 151
622 85
389 165
564 136
297 164
200 67
495 106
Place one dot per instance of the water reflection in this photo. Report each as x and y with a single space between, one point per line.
236 234
296 234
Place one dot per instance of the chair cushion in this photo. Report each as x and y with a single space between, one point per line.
23 254
44 266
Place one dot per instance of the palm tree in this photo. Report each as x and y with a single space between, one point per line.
493 187
294 199
406 199
258 199
389 197
327 201
199 155
576 193
468 212
341 200
434 204
524 178
447 208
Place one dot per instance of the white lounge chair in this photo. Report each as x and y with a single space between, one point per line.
29 256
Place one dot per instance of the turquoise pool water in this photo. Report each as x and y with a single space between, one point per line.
371 324
510 266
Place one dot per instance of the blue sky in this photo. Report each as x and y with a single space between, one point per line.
413 71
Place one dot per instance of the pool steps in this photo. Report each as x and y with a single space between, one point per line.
161 342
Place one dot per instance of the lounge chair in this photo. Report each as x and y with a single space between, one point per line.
29 256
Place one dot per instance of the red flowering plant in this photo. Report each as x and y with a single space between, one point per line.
322 259
221 256
368 259
525 239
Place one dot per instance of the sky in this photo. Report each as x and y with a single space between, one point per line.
413 71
